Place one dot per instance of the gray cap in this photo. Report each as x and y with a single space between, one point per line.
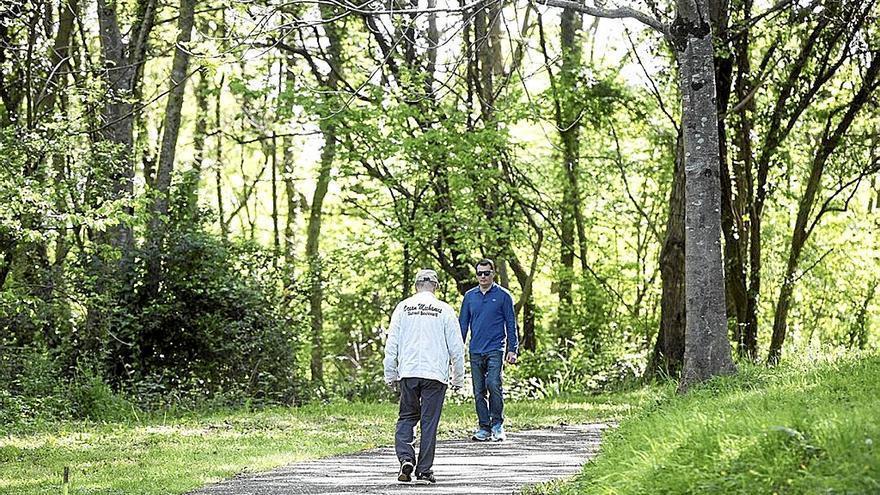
426 275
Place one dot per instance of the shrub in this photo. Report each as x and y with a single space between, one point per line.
218 328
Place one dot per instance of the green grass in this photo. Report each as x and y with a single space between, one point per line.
171 455
787 430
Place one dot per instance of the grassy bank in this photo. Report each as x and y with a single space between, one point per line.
788 430
167 455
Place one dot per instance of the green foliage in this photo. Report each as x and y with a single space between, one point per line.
425 172
92 398
552 372
217 329
37 390
795 429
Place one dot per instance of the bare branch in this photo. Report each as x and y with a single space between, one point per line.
619 13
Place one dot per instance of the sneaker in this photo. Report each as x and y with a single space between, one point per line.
498 433
405 473
481 435
425 478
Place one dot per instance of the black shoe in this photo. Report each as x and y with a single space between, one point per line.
425 478
405 473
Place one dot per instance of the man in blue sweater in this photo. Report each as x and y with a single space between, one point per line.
487 311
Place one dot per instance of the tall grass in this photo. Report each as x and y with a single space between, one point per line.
789 430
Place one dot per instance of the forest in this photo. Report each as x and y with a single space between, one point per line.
216 204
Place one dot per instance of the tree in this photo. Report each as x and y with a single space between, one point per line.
772 100
667 356
833 135
123 59
568 115
164 172
328 153
707 350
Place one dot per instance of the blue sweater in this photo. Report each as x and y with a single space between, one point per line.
490 319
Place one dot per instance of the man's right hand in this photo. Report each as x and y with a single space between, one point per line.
393 385
511 357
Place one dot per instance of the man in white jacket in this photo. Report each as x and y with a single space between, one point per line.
424 338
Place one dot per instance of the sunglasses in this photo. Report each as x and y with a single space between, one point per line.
484 273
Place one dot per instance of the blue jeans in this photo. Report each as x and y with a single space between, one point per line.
486 370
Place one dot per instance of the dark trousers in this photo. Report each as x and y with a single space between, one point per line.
488 395
421 401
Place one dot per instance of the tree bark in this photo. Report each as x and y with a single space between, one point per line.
123 63
59 57
200 134
276 233
667 357
287 176
747 344
313 233
165 170
707 349
567 120
526 302
218 166
568 124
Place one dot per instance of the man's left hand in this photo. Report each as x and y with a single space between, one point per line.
511 357
393 385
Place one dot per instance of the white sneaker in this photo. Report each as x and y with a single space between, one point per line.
498 433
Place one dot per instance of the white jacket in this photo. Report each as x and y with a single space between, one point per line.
423 339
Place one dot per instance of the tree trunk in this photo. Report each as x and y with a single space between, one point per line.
747 344
316 290
287 176
734 269
668 355
860 326
29 258
59 56
871 192
313 234
526 302
114 274
803 225
218 166
193 176
276 234
529 337
567 115
165 170
707 349
567 232
123 73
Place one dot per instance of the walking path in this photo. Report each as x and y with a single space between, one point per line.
461 467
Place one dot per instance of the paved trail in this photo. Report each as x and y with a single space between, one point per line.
461 467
